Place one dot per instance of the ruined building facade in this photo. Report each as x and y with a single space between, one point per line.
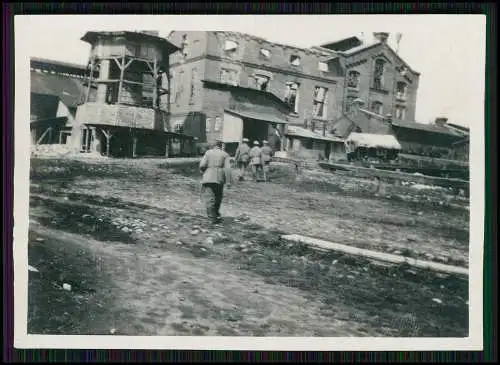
213 66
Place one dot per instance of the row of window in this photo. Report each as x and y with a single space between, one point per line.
294 60
353 80
230 48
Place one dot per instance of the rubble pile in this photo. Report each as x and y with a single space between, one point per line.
52 150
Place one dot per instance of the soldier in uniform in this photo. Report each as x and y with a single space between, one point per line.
216 168
256 160
266 153
242 156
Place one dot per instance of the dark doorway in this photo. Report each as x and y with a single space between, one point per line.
328 148
255 130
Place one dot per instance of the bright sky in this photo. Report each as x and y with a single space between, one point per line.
448 50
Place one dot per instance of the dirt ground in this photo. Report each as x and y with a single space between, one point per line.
131 239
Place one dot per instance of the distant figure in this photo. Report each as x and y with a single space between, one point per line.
266 153
242 156
256 160
274 138
216 168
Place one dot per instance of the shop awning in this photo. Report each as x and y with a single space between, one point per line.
306 133
367 140
258 116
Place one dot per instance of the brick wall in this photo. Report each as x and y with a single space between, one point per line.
249 60
364 63
205 51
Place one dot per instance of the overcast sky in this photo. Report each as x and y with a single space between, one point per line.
448 50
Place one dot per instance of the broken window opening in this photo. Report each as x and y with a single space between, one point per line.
401 89
319 101
353 80
265 52
291 95
400 112
295 60
230 46
377 107
378 74
261 82
323 66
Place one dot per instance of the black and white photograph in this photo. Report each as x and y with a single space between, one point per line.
249 182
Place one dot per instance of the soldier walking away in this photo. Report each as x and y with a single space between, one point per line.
267 153
242 157
256 160
216 168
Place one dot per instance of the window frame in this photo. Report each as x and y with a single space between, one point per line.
230 50
381 76
323 102
293 58
255 78
263 55
380 109
326 66
402 95
288 85
349 78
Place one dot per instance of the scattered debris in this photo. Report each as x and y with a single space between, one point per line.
40 239
66 287
112 331
209 241
31 268
194 232
439 301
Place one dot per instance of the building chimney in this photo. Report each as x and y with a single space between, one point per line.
381 36
441 121
324 128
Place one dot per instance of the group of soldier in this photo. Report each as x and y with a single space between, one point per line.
216 168
257 157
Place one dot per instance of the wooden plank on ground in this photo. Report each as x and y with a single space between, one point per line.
397 259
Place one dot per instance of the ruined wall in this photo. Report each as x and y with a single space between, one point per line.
248 60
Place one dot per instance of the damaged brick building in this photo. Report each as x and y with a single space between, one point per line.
230 85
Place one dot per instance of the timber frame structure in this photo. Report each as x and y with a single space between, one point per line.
126 95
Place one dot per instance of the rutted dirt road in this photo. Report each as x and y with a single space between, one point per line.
131 240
